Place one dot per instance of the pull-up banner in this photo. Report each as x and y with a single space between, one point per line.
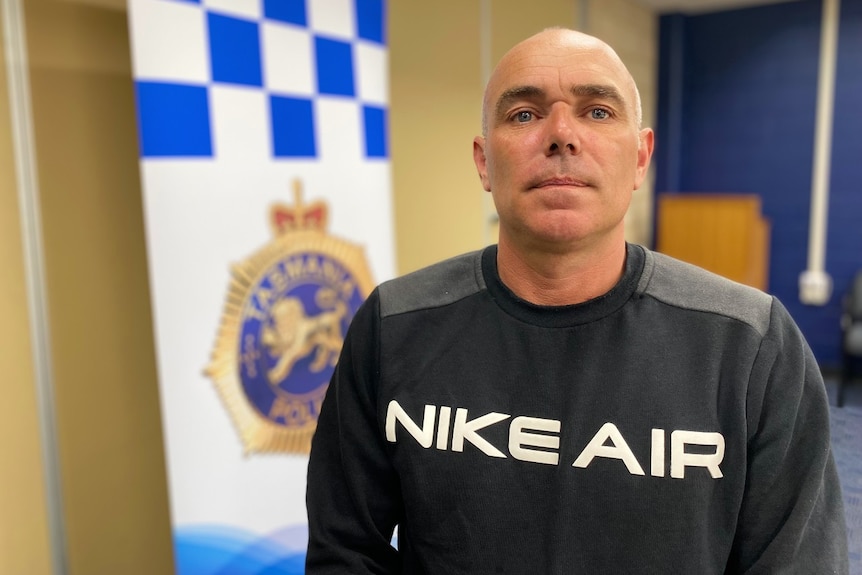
266 188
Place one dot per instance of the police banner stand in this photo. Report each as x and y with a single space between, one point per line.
267 198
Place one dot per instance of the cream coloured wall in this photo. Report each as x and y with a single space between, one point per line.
110 443
24 538
437 79
436 93
511 23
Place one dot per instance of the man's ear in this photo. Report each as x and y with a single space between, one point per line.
646 141
481 162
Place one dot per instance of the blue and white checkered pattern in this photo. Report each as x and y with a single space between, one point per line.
226 78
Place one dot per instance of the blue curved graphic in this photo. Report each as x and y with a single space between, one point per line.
225 550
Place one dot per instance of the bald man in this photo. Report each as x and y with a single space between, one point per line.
565 402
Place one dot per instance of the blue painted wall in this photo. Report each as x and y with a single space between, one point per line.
737 107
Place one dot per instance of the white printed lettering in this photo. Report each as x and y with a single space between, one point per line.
466 430
424 435
619 449
680 459
443 427
519 438
657 453
537 440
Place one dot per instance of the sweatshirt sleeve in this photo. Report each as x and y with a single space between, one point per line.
792 516
353 492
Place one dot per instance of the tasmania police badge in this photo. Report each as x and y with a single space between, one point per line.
285 315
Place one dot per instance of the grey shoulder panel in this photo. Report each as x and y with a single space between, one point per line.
437 285
687 286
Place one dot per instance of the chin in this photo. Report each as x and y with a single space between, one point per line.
563 225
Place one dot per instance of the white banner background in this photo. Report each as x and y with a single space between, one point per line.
214 159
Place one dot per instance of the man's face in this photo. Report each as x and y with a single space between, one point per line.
563 152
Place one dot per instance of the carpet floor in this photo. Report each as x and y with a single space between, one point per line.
847 447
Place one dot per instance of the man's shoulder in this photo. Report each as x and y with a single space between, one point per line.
437 285
687 286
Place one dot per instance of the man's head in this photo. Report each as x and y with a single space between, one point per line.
562 149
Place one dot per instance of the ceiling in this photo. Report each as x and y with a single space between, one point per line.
698 6
660 6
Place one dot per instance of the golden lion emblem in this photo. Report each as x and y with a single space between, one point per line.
294 335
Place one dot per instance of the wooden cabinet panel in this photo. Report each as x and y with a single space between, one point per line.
724 233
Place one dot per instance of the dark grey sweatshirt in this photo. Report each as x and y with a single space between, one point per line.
677 424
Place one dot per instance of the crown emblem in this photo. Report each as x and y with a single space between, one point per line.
285 219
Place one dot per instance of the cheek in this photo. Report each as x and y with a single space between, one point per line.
498 167
514 150
623 162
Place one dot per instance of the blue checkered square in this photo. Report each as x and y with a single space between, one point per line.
274 73
374 119
292 127
174 120
334 67
234 50
290 11
370 20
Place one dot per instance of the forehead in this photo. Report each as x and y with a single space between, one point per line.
558 61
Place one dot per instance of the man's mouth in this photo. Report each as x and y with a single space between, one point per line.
560 181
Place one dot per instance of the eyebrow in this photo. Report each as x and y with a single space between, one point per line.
512 95
600 91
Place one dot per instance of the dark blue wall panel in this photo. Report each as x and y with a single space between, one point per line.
743 121
844 239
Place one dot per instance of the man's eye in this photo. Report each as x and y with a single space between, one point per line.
600 114
524 116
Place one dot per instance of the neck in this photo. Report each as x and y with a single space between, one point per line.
564 277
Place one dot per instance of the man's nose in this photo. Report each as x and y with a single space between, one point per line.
562 133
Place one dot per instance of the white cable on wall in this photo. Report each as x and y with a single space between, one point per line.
815 285
31 231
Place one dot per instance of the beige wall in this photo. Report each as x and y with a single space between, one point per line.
511 22
436 90
110 442
24 543
436 87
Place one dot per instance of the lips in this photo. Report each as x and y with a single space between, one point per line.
557 181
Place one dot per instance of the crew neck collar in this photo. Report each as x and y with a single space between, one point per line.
564 315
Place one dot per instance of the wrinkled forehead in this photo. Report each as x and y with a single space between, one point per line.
572 57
